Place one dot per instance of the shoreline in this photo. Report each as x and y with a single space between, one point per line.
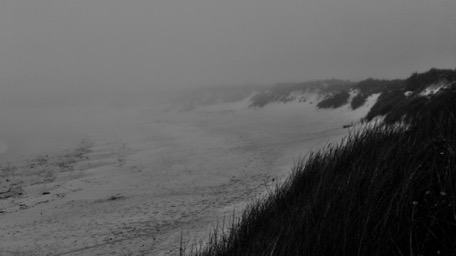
138 193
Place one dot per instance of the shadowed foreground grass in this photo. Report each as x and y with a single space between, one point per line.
385 190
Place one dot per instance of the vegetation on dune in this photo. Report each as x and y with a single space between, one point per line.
336 100
385 103
283 92
371 86
388 189
333 93
337 92
395 105
418 81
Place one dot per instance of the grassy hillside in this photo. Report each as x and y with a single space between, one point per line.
283 92
396 94
336 100
408 98
371 86
389 189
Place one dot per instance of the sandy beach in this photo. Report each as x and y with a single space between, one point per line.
141 188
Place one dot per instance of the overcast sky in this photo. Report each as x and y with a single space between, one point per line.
58 46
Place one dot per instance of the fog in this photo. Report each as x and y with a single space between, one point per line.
112 44
61 55
150 180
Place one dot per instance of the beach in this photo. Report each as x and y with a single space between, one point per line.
160 179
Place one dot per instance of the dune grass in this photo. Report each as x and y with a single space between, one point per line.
385 190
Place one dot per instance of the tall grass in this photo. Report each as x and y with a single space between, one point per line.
385 190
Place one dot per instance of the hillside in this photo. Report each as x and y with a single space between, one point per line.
299 91
413 96
406 96
387 189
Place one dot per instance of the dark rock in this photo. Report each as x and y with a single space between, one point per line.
116 197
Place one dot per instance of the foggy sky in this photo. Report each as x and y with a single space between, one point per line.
49 47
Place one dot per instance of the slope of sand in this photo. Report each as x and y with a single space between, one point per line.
163 177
